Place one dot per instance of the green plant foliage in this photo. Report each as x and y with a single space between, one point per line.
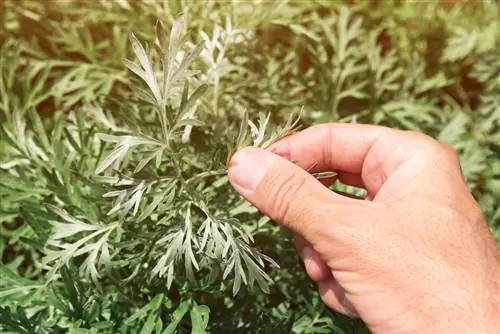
118 119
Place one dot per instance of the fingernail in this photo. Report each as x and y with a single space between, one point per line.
247 169
282 152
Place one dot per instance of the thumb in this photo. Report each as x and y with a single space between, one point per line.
283 191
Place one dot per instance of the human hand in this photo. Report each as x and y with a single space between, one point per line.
415 256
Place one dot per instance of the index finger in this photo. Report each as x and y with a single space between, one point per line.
368 151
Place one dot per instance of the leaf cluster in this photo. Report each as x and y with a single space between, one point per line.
116 129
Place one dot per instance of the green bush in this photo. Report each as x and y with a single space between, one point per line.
115 210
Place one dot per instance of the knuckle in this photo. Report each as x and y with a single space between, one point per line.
418 137
476 214
421 140
433 147
450 152
375 162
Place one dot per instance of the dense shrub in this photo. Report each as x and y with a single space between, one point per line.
117 120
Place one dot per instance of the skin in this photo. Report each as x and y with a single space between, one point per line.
414 256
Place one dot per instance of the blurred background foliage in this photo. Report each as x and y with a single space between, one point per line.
430 66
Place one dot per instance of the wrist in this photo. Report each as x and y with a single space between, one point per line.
466 304
485 317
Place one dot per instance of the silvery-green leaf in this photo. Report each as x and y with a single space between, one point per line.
116 156
64 230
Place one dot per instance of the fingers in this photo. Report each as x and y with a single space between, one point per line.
315 267
286 192
363 155
330 290
335 297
